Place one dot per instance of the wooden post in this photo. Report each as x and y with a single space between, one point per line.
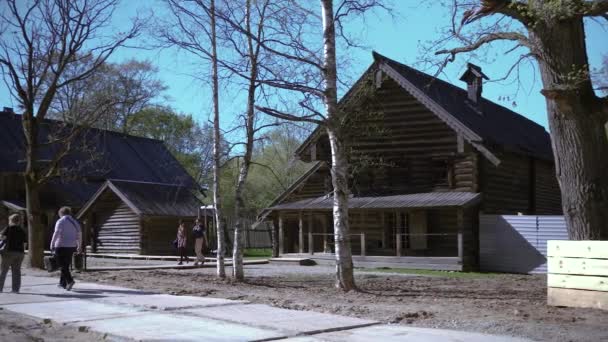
383 225
325 237
300 233
460 225
362 244
311 247
398 243
460 248
281 236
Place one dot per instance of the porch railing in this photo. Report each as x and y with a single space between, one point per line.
311 246
459 238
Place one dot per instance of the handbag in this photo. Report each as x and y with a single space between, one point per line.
50 263
174 243
3 242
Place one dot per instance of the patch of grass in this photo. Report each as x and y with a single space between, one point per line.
447 274
258 253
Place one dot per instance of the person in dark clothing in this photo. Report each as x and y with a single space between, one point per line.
15 238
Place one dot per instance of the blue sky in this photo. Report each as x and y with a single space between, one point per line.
397 38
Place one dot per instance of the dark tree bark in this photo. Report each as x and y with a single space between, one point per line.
555 36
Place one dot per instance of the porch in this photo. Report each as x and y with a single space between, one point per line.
438 232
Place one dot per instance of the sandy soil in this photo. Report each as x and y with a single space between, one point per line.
19 328
497 304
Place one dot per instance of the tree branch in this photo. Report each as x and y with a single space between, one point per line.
290 117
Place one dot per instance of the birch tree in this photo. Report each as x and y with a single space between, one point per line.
320 65
193 28
41 39
552 34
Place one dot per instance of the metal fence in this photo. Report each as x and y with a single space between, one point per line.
517 244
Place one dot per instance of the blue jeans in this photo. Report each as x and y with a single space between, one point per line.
13 261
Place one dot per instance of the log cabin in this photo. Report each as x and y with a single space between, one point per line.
132 189
442 156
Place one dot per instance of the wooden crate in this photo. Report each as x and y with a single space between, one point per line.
577 274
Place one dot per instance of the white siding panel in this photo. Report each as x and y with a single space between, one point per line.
517 244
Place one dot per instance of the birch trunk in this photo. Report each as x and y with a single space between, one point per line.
339 173
239 208
576 120
217 201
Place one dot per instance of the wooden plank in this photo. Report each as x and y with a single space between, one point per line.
578 266
577 282
300 233
577 298
578 249
281 235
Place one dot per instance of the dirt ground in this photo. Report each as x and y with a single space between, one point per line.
19 328
497 304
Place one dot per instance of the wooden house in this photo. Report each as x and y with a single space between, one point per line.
445 155
131 184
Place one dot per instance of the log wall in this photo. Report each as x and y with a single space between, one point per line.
118 225
548 196
506 187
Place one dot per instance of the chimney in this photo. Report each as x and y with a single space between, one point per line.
473 76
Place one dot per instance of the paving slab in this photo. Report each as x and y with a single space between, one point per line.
32 281
72 310
167 302
171 327
82 291
22 298
392 333
291 322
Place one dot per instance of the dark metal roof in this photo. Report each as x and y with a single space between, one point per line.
495 124
151 199
98 155
421 200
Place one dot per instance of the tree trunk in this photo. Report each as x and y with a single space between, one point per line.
217 202
35 241
339 173
576 120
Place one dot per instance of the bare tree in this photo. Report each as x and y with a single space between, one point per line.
193 28
312 72
552 33
41 39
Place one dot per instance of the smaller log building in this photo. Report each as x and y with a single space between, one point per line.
131 190
138 217
440 156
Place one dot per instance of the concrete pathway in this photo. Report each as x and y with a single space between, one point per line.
125 313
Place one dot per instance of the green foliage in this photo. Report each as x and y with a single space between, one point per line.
190 143
258 253
274 169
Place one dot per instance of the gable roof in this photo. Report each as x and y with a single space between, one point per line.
150 199
109 155
486 126
495 125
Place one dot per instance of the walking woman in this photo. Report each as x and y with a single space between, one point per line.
66 241
181 243
12 256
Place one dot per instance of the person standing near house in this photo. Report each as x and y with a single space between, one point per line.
198 232
66 240
14 238
181 243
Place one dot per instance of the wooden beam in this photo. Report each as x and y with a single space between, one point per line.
578 249
577 282
580 266
460 227
300 233
460 143
281 235
577 298
326 248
